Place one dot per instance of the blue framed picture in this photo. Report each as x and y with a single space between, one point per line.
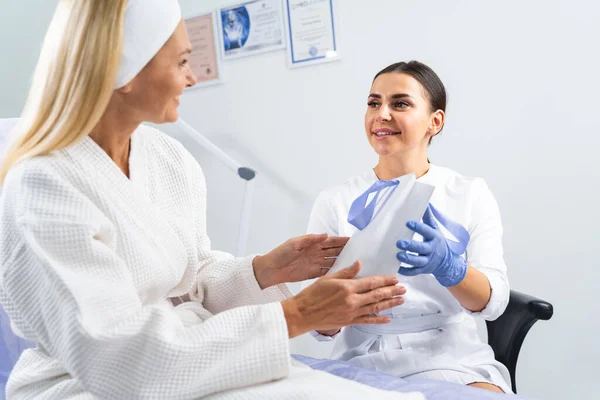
236 27
250 28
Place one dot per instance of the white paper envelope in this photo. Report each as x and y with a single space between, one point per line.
375 245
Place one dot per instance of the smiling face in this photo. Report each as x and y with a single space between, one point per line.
399 119
153 94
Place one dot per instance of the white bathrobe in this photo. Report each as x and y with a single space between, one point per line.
94 266
431 335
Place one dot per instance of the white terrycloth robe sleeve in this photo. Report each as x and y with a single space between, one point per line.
485 251
224 282
65 287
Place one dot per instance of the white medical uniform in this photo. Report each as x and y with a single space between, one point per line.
90 262
431 335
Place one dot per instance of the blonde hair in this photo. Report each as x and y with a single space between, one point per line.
73 81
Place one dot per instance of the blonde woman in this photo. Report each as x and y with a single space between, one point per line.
104 259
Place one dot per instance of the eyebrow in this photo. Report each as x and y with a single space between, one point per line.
394 96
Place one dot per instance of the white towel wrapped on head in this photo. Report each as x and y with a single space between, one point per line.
148 26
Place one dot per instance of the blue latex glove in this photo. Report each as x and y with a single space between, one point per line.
434 254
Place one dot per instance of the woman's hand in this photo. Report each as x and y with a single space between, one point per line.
434 256
298 259
339 300
468 285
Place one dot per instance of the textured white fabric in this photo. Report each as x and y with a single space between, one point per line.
92 263
148 26
455 345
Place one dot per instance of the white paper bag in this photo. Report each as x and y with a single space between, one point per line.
375 245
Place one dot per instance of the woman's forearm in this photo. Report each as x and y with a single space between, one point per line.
473 292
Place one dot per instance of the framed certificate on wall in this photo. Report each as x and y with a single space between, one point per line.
311 31
251 28
204 60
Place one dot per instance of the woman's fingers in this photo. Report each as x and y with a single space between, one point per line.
326 258
381 294
317 272
340 300
429 219
422 229
371 320
423 248
411 259
370 283
413 271
327 263
322 240
334 241
375 308
331 252
347 273
302 242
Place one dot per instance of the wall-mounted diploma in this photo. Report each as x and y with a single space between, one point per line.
311 32
251 28
204 59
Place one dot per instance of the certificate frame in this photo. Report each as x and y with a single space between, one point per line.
227 55
314 58
217 54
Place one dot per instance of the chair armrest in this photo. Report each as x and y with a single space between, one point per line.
507 333
540 309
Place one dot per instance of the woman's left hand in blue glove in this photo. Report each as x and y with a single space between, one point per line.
434 254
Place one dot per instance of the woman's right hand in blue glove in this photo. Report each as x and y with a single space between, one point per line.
434 255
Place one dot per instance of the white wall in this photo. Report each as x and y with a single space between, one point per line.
23 24
522 114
